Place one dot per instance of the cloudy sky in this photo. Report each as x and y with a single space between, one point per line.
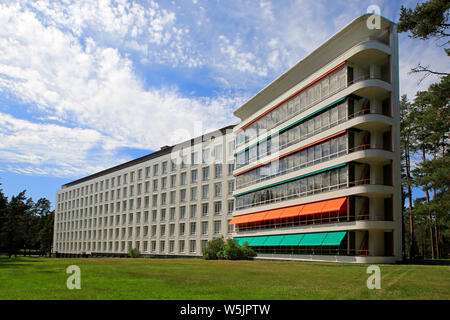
86 85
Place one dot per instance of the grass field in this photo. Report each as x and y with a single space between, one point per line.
116 278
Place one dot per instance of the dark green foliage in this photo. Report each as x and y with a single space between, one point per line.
229 250
134 252
213 248
25 227
428 19
425 126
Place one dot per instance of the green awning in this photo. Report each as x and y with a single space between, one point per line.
242 240
313 239
334 238
291 239
273 240
258 241
303 239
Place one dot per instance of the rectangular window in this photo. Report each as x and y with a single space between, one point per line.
218 171
183 178
218 189
205 173
183 195
205 156
182 212
230 206
205 191
193 227
218 153
181 229
181 246
193 210
194 194
217 226
217 207
192 245
204 228
205 209
193 176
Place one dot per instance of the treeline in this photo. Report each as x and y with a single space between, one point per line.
424 129
425 124
26 227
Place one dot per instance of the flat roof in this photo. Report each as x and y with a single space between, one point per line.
285 81
164 151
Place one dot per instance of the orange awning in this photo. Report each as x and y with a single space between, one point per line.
293 211
239 219
274 214
334 205
313 208
256 216
290 212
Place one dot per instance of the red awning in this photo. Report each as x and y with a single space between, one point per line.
293 211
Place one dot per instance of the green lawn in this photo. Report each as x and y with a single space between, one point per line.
116 278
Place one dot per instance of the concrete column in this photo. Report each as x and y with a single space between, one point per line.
375 71
376 138
376 242
375 106
376 207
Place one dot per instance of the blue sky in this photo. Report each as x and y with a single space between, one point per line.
86 85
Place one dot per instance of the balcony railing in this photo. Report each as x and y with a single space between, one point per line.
355 80
326 251
311 134
296 195
300 221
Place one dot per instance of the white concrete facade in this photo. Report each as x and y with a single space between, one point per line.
283 143
148 204
334 114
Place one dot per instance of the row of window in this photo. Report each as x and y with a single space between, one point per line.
112 195
295 133
131 233
123 246
128 218
313 155
297 104
123 180
304 186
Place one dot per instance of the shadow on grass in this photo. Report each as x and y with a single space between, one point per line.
19 261
428 262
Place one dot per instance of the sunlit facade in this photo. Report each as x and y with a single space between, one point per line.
168 203
317 155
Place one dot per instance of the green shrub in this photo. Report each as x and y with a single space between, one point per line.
229 250
213 248
134 252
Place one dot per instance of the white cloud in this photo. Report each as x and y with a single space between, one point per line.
49 149
82 65
90 86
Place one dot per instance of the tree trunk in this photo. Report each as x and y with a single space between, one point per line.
436 234
430 218
412 252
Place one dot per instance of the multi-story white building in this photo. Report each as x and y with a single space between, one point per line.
318 154
170 202
316 165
